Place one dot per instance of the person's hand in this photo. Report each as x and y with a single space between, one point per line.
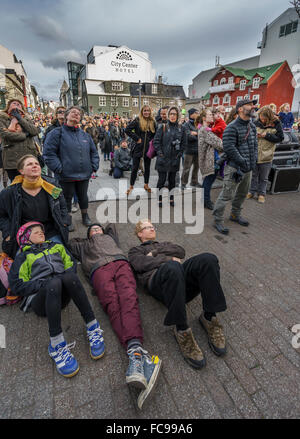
194 133
7 239
177 260
139 141
16 113
18 128
149 254
13 124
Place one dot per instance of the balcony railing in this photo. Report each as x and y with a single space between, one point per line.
221 88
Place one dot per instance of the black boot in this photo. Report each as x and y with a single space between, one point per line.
71 228
86 219
160 201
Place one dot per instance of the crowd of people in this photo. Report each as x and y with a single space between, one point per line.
36 218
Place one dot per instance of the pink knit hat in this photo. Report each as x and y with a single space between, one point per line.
24 232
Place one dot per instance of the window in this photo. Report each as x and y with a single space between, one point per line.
231 80
226 99
154 89
223 81
114 101
247 97
216 82
239 98
117 86
288 29
125 102
216 100
146 102
243 83
135 102
256 98
102 101
256 82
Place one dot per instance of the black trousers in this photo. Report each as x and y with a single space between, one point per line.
135 168
78 187
162 176
176 284
56 295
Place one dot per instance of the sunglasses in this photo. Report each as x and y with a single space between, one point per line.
61 112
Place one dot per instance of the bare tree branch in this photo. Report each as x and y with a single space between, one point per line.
296 4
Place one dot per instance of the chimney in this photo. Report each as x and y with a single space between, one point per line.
160 79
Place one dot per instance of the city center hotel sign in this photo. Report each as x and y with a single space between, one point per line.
124 66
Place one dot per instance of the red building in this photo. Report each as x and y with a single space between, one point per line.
270 84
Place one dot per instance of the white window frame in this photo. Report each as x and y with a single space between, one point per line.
135 102
243 83
114 101
239 98
102 101
247 97
117 86
227 99
256 82
125 102
223 81
216 97
256 98
154 89
231 80
216 83
146 101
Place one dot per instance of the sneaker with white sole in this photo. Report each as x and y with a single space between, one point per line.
152 367
135 372
97 346
66 363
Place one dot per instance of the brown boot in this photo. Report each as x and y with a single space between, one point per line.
147 188
129 190
216 337
189 348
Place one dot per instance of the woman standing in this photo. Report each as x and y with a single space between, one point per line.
57 121
209 145
32 197
71 154
269 132
286 117
169 143
142 131
17 132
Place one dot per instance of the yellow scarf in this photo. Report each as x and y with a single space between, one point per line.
48 187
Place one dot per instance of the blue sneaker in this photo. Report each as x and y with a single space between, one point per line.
152 368
66 363
135 373
97 346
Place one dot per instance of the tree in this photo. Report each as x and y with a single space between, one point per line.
296 4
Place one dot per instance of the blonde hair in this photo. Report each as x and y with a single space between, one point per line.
139 226
273 107
283 105
147 124
268 113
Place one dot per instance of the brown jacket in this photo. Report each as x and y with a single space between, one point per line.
16 145
207 143
97 251
146 266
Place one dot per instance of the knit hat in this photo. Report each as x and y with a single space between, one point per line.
24 232
192 111
93 225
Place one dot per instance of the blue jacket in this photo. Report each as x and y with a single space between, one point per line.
287 120
70 153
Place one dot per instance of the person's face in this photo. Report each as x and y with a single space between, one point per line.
147 232
37 235
263 119
217 116
173 116
74 116
61 114
146 112
14 105
209 117
124 145
96 230
287 108
164 114
31 168
246 110
195 115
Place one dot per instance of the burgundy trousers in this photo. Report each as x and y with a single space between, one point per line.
115 287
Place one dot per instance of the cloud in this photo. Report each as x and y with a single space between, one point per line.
60 59
46 28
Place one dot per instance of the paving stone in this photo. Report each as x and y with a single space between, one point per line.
242 401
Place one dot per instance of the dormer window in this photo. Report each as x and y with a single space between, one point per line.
256 82
243 83
223 81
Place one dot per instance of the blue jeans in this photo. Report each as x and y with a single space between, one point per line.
207 185
118 173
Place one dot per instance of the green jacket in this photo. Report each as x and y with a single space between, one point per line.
16 145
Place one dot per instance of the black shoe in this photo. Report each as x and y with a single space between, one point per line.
86 220
221 229
183 187
238 219
160 202
71 228
209 205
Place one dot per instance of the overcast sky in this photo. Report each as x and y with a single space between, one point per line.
181 37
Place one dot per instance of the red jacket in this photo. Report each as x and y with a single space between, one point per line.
219 128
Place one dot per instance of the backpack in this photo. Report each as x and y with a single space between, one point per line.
5 291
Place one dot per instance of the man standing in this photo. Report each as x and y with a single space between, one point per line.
240 146
191 151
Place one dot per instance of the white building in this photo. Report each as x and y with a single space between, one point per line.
109 63
281 40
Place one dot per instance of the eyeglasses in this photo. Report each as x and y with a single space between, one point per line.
148 228
61 112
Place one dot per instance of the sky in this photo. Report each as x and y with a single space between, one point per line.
181 37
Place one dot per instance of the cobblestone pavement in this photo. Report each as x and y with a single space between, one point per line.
258 378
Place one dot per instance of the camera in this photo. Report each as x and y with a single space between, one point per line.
176 144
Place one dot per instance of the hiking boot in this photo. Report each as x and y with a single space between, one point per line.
209 205
189 348
249 196
66 363
216 337
86 220
261 199
97 346
238 219
135 372
71 227
152 368
221 229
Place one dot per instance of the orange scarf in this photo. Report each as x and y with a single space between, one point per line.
40 182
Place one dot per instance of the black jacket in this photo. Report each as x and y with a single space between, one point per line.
11 215
274 138
240 145
169 143
51 127
134 131
122 158
192 141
